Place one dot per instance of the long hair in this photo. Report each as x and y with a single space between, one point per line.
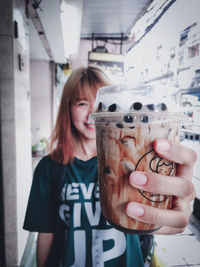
83 82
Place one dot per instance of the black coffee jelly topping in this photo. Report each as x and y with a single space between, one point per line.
112 107
136 106
151 107
162 106
107 170
128 118
101 107
119 125
145 119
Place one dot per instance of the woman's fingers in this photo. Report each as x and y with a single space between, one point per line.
161 184
178 153
175 152
151 215
179 186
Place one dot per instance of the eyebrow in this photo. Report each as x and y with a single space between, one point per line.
80 99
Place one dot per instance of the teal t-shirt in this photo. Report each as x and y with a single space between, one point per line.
89 239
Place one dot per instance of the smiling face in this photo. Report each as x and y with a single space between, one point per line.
72 132
81 108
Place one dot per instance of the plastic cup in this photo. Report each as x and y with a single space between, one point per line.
128 119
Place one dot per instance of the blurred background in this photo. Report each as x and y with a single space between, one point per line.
41 42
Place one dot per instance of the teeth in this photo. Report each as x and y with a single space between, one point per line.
91 125
90 120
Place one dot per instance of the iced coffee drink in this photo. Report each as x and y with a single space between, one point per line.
127 123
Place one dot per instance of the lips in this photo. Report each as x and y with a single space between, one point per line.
90 126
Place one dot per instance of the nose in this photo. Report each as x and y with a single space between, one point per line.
91 107
90 110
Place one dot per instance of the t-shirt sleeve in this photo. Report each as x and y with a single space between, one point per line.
41 209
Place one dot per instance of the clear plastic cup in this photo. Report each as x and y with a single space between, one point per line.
128 119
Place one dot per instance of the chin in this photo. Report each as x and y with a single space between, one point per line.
91 137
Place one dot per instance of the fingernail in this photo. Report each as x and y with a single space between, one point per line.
163 145
138 178
134 210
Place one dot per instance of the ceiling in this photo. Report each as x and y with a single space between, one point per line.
110 18
102 18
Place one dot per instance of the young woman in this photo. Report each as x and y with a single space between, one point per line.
72 230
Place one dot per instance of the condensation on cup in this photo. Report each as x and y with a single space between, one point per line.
128 119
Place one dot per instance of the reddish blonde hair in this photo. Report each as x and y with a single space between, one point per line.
83 82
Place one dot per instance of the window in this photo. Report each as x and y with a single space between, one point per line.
193 51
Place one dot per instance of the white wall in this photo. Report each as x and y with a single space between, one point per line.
22 125
41 99
166 35
15 126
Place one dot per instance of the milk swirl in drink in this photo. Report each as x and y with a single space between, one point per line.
128 119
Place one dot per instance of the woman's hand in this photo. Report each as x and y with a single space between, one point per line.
181 187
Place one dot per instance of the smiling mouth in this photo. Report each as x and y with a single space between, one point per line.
90 125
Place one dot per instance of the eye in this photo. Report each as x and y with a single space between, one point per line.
82 104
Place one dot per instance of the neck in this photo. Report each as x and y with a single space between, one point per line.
85 150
